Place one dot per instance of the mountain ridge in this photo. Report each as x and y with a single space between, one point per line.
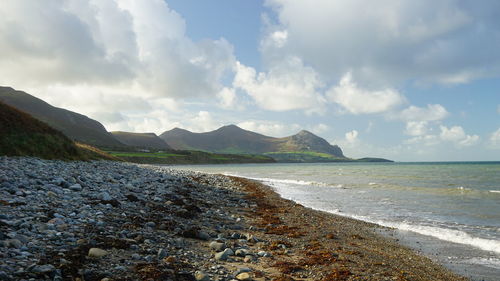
233 139
74 125
141 140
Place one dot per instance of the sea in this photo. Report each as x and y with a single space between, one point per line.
449 211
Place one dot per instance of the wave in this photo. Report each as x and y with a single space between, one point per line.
442 233
494 191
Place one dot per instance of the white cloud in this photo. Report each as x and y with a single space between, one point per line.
320 128
416 128
391 41
126 44
352 136
287 86
495 138
456 134
227 99
361 101
270 128
433 112
427 140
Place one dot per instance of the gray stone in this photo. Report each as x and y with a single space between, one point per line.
46 268
12 243
242 252
162 253
241 270
76 187
97 253
201 276
217 246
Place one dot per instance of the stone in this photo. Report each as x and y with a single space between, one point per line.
217 246
12 243
242 252
162 253
201 276
244 276
76 187
97 252
43 269
222 256
241 270
263 254
248 259
105 196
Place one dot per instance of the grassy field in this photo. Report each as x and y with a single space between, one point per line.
305 156
188 157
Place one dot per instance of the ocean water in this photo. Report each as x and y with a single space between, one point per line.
453 208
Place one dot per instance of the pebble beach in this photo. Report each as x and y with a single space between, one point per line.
105 220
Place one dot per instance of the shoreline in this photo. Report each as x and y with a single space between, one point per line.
120 221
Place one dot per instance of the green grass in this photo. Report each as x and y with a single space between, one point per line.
188 157
304 156
144 154
23 135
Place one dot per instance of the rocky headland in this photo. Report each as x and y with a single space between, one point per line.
103 220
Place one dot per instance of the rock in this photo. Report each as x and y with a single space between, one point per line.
243 276
162 253
203 235
242 252
222 256
12 243
76 187
263 254
241 270
150 224
105 196
201 276
217 246
43 269
248 259
97 253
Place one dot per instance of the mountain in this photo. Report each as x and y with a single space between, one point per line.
23 135
232 139
142 140
75 126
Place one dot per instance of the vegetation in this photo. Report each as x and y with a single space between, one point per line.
305 157
23 135
189 157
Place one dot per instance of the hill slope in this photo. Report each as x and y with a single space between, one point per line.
232 139
23 135
75 126
142 140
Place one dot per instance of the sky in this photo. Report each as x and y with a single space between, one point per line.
400 79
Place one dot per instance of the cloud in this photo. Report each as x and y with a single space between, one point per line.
457 135
495 139
124 44
352 136
416 128
270 128
320 128
227 99
433 112
390 41
287 86
361 101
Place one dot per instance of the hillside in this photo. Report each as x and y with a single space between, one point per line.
232 139
23 135
75 126
141 140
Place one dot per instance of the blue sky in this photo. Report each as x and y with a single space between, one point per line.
405 80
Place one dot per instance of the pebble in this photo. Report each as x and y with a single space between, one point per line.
97 253
217 246
201 276
243 276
